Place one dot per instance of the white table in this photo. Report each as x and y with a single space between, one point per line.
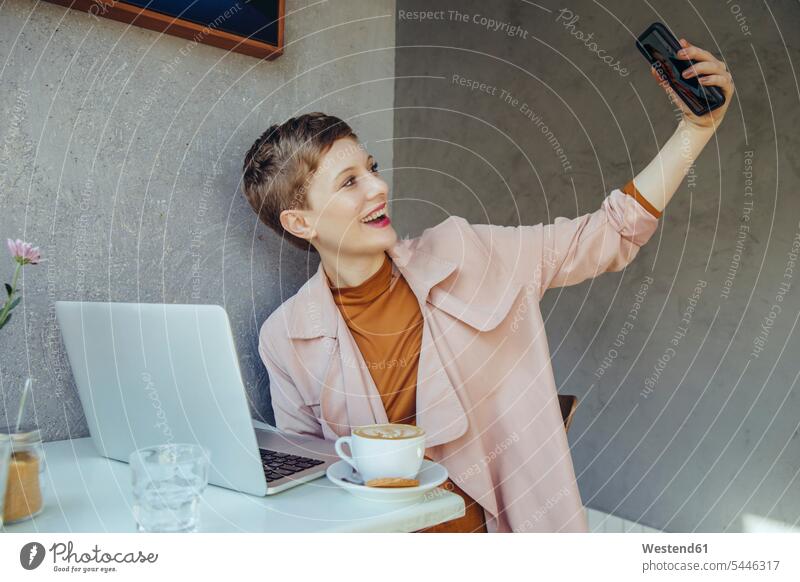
85 492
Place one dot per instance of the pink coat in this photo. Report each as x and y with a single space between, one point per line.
486 394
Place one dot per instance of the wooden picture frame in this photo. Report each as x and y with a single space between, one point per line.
265 43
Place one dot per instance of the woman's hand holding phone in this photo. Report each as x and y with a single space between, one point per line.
710 72
702 88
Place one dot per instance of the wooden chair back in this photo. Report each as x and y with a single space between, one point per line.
568 403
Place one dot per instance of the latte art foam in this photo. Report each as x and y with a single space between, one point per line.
389 431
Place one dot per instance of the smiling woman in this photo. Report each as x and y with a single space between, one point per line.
458 305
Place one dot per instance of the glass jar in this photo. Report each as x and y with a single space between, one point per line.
25 476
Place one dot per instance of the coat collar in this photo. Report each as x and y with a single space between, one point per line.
481 301
314 314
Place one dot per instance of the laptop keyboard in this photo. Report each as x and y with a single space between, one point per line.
279 465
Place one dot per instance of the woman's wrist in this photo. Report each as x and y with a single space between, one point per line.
701 131
692 138
659 180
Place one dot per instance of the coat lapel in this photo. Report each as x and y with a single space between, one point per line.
348 395
439 410
354 384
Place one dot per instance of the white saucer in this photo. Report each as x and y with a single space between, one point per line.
430 475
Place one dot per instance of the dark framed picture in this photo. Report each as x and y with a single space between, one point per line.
251 27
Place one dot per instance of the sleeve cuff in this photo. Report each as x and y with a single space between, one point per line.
631 190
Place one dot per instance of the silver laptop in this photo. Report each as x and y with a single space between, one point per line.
151 374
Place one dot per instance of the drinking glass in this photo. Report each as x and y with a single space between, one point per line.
168 481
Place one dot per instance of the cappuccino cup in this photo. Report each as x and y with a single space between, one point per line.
384 450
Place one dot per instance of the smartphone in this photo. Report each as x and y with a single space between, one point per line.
659 46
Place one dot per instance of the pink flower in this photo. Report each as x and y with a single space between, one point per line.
23 252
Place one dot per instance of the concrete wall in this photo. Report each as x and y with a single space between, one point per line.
713 436
120 156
